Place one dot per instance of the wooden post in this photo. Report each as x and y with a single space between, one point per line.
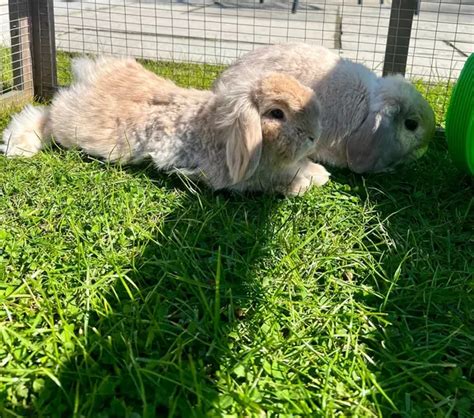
398 39
294 7
44 48
33 50
20 38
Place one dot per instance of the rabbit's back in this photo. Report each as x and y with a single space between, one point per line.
304 62
105 111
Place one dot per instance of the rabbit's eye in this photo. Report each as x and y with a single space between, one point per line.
411 124
277 114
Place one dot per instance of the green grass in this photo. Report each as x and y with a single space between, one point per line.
437 94
5 70
127 293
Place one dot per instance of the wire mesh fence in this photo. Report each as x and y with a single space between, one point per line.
433 37
16 70
27 48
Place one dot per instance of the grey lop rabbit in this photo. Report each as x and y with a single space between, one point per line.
369 123
253 139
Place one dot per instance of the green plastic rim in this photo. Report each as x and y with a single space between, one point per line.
460 119
470 144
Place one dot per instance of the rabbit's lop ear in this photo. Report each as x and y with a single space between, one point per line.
239 119
373 144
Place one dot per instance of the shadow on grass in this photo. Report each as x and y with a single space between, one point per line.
167 326
422 355
155 348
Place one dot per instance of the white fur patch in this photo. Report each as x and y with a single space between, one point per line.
24 137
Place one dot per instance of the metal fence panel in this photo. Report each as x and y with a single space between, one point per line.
428 39
16 63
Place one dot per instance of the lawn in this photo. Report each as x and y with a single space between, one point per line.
128 293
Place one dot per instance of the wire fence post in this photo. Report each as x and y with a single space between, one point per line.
43 48
398 39
20 35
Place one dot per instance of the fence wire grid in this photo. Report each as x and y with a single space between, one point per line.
215 33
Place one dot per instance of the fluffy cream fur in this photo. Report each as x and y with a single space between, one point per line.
258 138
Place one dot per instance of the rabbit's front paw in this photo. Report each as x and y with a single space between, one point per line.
308 175
298 186
315 173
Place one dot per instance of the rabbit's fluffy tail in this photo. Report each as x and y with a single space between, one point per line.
27 133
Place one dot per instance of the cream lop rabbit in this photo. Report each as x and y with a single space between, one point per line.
255 138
